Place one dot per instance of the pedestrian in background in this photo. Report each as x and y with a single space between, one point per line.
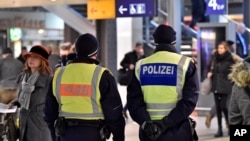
10 68
20 57
54 57
128 64
33 85
237 59
64 50
221 85
239 107
83 98
198 12
241 43
164 91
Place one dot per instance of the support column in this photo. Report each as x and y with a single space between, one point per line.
174 19
70 34
136 31
106 35
246 20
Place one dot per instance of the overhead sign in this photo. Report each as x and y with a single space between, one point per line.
216 7
15 34
100 9
136 8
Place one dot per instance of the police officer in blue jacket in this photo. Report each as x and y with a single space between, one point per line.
83 102
163 91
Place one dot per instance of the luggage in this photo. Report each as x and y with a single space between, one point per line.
9 128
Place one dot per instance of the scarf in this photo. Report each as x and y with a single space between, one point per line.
27 87
222 57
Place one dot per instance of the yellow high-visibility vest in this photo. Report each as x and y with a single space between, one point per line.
162 78
76 88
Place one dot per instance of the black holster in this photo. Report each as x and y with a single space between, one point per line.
193 126
60 126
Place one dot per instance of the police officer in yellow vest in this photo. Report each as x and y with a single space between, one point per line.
83 102
163 91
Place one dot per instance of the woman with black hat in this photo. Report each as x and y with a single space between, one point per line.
33 85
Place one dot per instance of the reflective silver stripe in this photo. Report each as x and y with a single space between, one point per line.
96 112
93 95
138 69
160 106
159 113
58 84
179 85
67 114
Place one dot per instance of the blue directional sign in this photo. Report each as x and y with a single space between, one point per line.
216 7
135 8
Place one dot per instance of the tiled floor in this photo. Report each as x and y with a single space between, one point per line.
204 133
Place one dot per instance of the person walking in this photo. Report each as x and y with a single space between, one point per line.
33 85
222 61
128 64
10 68
83 99
237 59
198 12
163 91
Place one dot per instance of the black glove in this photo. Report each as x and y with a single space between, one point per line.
151 130
161 125
105 132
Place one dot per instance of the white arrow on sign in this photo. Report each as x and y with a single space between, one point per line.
121 9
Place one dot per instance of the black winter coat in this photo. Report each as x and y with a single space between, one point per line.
221 68
111 105
177 119
130 58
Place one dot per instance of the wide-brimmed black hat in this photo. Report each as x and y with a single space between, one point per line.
40 51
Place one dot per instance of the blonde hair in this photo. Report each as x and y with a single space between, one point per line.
65 46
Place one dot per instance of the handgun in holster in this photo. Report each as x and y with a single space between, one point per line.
105 132
60 126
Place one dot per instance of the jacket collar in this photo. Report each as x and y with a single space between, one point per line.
165 47
42 80
85 60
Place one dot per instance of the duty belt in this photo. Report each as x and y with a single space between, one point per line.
78 122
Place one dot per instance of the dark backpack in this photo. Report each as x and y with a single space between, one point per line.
124 76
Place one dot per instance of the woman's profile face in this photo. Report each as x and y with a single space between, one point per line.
221 49
34 61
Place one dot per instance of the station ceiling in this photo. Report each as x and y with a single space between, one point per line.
31 3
